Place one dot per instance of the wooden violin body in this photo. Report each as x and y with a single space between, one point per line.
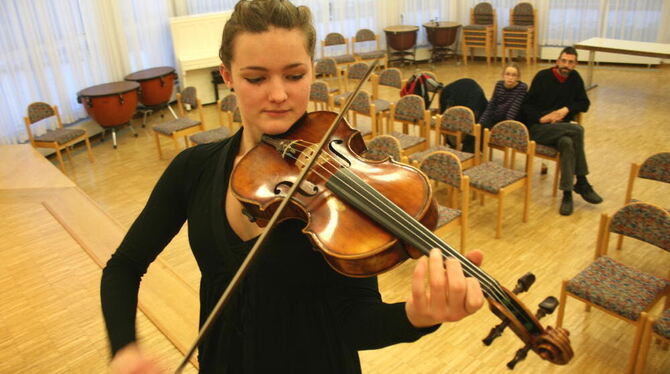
359 246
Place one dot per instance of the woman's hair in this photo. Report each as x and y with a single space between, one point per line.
257 16
513 65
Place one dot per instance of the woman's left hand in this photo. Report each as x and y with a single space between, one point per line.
441 292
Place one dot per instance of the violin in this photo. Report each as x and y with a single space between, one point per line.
360 216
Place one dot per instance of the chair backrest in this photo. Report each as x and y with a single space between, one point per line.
189 96
319 91
357 70
482 14
365 35
391 77
326 66
39 110
362 102
642 221
522 15
227 106
410 108
458 119
656 167
510 134
383 146
443 167
228 103
334 38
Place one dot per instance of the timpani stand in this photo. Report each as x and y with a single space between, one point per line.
442 36
401 43
156 86
111 105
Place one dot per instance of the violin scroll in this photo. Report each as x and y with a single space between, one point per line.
551 344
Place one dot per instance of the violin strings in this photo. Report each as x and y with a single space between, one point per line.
432 240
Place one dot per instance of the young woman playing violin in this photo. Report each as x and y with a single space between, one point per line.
292 312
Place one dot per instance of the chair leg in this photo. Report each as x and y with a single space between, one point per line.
645 342
68 152
619 242
88 150
175 141
60 160
557 172
639 329
526 201
561 304
500 216
158 145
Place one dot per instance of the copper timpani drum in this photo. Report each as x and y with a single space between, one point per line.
401 43
441 35
156 84
111 104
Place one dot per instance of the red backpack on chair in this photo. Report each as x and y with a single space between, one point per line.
421 85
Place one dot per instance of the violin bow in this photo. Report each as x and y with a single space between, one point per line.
242 270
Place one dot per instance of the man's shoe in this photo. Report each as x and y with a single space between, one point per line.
588 193
566 205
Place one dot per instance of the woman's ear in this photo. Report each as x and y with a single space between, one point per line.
226 75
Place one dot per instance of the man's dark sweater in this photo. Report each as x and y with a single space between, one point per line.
547 94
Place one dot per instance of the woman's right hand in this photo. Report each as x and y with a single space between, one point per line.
131 360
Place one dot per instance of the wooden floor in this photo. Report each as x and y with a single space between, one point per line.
50 318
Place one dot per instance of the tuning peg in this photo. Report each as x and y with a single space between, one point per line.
547 306
519 356
495 332
524 283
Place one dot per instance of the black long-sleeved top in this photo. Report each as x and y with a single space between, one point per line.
547 94
292 313
505 104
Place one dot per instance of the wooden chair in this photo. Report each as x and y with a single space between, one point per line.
326 70
409 111
319 94
58 139
656 167
335 41
657 327
457 121
365 37
481 32
616 288
183 126
444 167
227 111
521 34
490 178
382 147
550 153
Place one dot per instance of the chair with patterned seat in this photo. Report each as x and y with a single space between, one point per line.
409 111
389 77
227 112
655 167
57 139
481 32
657 327
615 287
336 46
362 39
458 122
444 167
521 34
492 179
182 126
